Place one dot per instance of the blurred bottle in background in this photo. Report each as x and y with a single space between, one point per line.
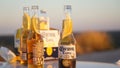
17 37
50 36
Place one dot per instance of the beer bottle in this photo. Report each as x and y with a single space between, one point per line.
24 35
45 32
17 37
37 45
67 50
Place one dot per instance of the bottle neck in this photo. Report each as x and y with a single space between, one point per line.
67 22
26 19
35 11
35 20
67 11
26 10
67 16
43 20
43 13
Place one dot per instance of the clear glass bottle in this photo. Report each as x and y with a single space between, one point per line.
24 35
67 50
37 45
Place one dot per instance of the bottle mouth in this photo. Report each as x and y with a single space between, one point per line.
43 11
67 8
35 7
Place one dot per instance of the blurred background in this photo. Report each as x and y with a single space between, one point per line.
96 25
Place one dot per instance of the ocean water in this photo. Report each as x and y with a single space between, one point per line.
8 40
115 35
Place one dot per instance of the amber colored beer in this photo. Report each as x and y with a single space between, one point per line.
30 50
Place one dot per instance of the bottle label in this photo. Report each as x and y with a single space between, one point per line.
67 52
51 40
17 43
50 37
38 53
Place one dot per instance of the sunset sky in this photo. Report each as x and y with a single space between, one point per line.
86 14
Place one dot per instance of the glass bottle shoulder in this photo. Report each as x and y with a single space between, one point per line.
68 40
